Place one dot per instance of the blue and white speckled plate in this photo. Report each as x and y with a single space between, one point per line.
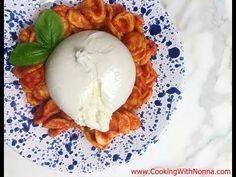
70 151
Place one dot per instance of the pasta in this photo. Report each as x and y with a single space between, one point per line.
113 10
142 91
124 22
27 35
141 48
128 27
77 19
94 10
62 11
138 23
32 81
122 122
45 111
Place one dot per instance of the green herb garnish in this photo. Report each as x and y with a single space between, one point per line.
28 54
49 31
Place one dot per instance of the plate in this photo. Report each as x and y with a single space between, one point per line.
70 151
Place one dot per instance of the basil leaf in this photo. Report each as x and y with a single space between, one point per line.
26 54
49 29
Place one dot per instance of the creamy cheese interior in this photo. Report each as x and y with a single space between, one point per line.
90 75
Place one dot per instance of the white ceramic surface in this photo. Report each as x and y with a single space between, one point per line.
70 151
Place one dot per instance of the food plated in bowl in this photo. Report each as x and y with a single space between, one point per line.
88 80
95 80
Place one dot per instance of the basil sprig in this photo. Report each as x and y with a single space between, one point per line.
49 31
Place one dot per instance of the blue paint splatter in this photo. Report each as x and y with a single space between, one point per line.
68 147
159 111
168 105
143 10
135 8
153 57
155 29
73 137
16 82
162 18
158 103
46 163
168 43
13 36
20 140
112 1
44 135
60 152
13 104
98 155
174 52
13 143
177 65
128 157
115 157
173 90
161 94
33 110
9 120
164 40
70 167
75 162
11 25
148 12
25 127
